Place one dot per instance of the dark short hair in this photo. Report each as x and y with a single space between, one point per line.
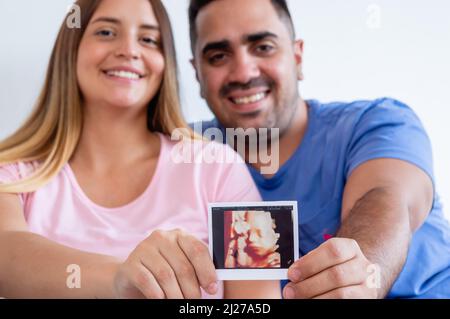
195 6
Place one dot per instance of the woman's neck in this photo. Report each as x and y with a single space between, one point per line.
114 136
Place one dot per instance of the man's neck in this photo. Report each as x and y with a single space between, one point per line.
288 142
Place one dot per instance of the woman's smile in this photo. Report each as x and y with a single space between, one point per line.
124 74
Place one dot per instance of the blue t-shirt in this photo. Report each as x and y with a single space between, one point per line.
340 137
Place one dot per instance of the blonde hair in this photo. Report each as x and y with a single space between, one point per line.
51 133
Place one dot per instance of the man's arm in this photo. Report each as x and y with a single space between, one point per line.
384 202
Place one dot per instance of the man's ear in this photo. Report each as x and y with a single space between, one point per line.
195 68
196 76
298 54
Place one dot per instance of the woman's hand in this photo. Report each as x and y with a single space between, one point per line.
168 264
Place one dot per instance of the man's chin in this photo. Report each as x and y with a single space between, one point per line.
250 123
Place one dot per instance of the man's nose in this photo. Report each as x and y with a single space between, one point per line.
128 48
244 68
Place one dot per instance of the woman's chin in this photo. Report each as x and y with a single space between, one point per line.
125 103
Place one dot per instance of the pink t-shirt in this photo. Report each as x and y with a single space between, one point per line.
177 197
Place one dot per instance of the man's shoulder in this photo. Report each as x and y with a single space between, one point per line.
381 107
341 115
201 126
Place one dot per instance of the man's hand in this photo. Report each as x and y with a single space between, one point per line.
336 269
168 264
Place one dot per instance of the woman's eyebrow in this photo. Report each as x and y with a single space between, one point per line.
117 21
107 19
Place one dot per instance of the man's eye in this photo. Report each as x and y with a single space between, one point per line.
216 58
265 48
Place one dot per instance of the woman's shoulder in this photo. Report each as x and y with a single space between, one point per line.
200 151
216 168
12 172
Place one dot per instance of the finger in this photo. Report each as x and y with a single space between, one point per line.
333 252
198 254
346 274
184 272
230 262
231 248
274 259
146 283
163 273
351 292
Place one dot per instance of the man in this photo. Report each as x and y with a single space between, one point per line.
361 172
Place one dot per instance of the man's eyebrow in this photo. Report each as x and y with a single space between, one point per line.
219 45
248 38
255 37
117 21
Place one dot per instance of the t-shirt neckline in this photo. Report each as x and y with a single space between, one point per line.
135 201
277 178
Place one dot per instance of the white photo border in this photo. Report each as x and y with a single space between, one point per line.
254 274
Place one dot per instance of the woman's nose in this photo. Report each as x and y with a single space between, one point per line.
128 48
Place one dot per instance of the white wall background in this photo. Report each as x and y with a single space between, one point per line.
354 49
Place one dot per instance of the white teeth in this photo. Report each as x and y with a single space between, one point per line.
124 74
249 99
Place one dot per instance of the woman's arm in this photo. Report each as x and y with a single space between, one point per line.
167 264
32 266
252 289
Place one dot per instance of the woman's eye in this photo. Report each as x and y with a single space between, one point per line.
150 41
105 33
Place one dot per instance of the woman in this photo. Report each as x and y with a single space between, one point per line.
89 179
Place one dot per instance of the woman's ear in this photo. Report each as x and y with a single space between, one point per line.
298 54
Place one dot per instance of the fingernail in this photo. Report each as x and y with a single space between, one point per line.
294 275
289 293
212 288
